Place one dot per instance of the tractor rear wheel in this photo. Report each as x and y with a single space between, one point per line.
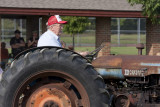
52 78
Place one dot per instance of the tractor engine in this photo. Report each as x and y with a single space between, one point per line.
132 80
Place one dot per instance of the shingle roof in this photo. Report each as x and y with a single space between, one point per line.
110 5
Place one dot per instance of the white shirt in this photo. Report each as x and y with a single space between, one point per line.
49 38
1 70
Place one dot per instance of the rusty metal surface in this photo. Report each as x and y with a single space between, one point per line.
50 95
140 47
131 65
108 62
139 66
54 92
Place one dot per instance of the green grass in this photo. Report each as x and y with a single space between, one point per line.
82 39
90 39
126 51
124 39
127 39
115 50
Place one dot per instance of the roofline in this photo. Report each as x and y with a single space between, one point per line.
70 12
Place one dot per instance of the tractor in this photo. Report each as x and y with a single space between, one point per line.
58 77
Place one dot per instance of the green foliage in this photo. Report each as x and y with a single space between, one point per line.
114 23
127 24
151 8
75 24
122 22
8 24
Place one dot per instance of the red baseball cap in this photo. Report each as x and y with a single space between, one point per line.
55 19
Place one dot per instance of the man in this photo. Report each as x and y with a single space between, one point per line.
51 36
17 43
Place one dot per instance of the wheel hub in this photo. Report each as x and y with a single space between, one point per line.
49 96
50 104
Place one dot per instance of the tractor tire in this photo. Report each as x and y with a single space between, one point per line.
52 77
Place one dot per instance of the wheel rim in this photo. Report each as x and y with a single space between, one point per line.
64 92
50 95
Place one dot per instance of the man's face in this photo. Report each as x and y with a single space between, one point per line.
17 35
58 29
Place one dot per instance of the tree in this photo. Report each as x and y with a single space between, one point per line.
75 25
150 8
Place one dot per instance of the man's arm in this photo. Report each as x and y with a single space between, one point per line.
13 45
17 45
22 44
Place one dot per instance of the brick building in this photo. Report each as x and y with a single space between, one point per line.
103 10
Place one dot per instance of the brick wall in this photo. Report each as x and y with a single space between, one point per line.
32 24
103 34
44 21
152 38
105 50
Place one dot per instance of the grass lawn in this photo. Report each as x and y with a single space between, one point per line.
82 39
115 50
90 39
124 39
126 51
128 39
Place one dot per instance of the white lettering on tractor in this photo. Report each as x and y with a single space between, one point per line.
128 72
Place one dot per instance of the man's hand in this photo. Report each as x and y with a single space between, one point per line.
18 45
84 53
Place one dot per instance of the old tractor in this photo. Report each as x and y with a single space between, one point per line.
57 77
